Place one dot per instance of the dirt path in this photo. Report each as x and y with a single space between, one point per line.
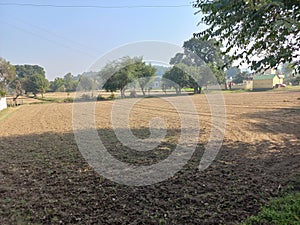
45 180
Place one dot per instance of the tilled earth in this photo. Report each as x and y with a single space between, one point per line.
44 179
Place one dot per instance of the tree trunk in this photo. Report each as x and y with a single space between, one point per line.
143 92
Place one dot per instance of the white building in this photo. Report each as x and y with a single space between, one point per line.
3 104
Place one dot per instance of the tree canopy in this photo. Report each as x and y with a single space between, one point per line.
7 73
117 74
205 54
32 78
262 33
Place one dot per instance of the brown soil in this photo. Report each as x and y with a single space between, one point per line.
45 180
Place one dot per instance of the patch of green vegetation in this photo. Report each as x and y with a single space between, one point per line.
2 93
5 113
281 210
56 100
235 91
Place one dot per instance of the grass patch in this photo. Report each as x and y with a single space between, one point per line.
56 100
280 210
5 113
235 91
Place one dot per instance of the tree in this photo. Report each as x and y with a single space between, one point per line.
18 89
262 33
199 52
117 74
70 82
36 83
58 84
144 73
7 73
32 78
240 77
86 83
24 71
176 78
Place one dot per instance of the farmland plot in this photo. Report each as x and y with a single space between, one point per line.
45 180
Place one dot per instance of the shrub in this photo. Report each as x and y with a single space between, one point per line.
2 93
85 97
112 96
69 99
100 98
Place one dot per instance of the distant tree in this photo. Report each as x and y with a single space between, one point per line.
36 83
264 33
58 84
178 77
287 69
70 82
200 52
86 83
7 73
18 89
24 71
118 74
144 73
240 77
32 78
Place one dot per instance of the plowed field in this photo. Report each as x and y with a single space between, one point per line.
45 180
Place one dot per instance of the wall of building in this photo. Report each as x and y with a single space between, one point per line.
3 104
262 84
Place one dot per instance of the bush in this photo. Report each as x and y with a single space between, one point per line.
100 98
2 93
111 97
69 99
85 97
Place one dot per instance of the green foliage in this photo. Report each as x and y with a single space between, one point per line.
86 97
2 93
70 83
24 71
86 83
176 78
58 84
111 97
263 33
100 98
118 74
199 52
7 73
144 73
283 210
32 78
69 99
36 83
240 77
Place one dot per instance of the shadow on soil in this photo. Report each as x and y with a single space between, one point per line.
280 121
45 180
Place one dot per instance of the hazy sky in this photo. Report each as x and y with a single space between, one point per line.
70 39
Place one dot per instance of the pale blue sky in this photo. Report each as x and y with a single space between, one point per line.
70 39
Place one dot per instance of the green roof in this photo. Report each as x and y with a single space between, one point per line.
264 77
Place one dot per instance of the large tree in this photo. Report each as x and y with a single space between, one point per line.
32 78
36 83
262 33
199 53
24 71
116 75
176 78
7 73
